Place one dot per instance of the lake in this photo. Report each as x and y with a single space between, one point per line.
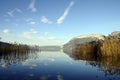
55 65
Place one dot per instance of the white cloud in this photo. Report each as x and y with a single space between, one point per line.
6 31
35 38
32 6
52 38
31 21
18 10
11 13
60 20
29 34
33 31
30 37
45 20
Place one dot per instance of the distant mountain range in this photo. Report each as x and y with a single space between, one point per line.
50 48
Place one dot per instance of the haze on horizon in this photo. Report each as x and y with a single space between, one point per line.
54 22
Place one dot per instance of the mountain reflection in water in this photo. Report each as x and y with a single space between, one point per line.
109 65
57 66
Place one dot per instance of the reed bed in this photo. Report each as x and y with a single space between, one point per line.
86 51
17 48
110 47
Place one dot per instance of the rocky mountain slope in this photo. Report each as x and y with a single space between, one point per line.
115 34
94 44
80 40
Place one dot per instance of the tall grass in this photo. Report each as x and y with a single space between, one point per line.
17 48
110 47
86 51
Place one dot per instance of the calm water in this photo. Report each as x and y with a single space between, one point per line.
55 66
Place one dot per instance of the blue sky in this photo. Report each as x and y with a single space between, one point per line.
54 22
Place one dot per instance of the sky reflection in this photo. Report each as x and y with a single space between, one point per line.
52 66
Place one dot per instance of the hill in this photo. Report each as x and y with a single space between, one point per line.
50 48
94 45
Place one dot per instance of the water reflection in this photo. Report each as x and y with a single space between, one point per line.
7 59
109 65
55 66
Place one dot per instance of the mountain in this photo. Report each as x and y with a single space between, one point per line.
86 39
82 40
115 34
94 45
50 48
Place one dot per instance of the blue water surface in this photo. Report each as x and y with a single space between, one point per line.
51 66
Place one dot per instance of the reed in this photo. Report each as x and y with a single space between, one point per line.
110 47
86 51
17 48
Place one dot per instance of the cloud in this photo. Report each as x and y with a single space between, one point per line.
11 13
29 34
6 31
61 19
31 21
33 31
32 6
52 38
45 20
